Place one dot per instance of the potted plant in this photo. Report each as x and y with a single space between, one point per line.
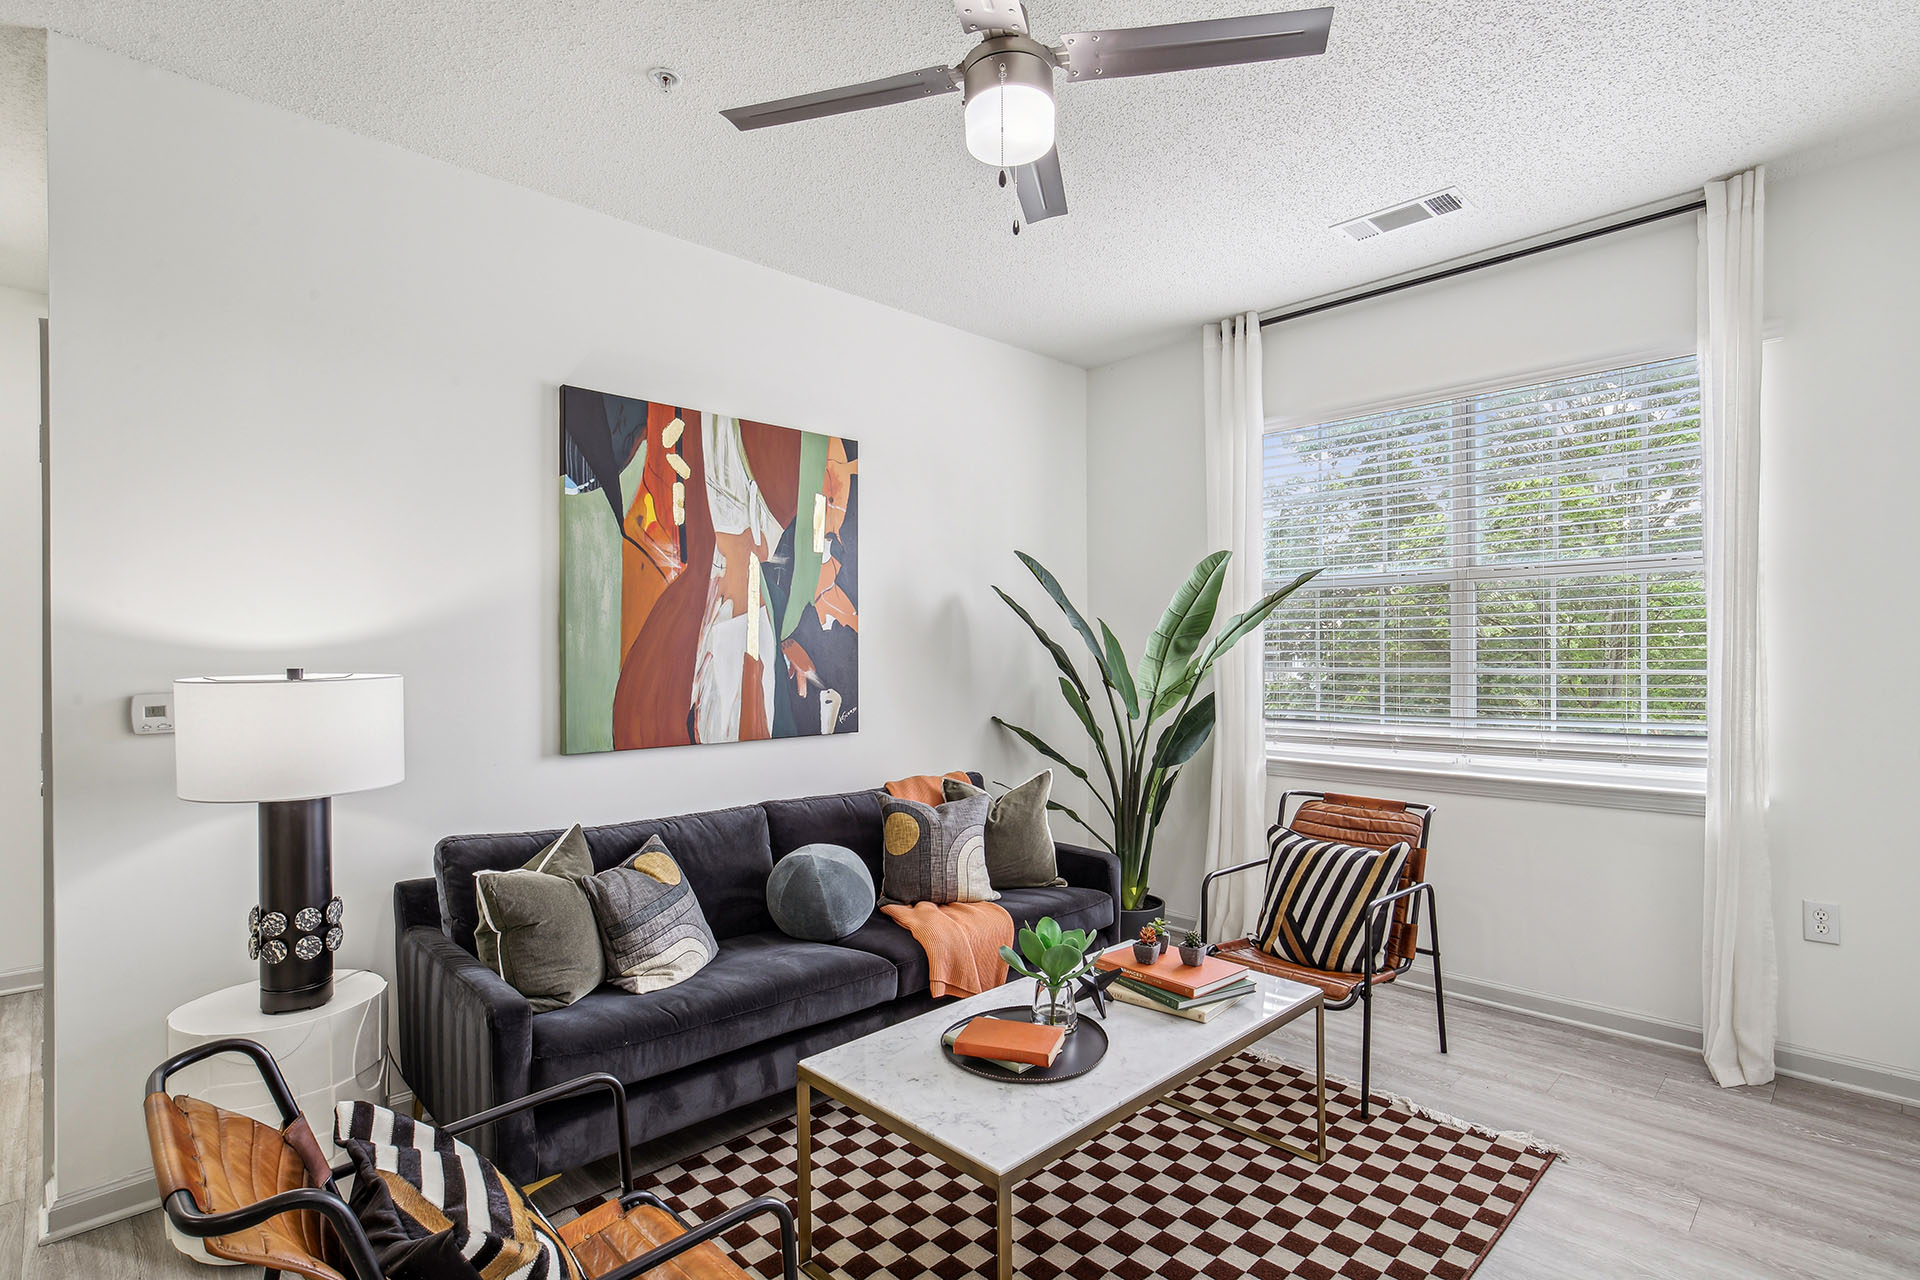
1055 959
1146 949
1137 765
1162 933
1193 949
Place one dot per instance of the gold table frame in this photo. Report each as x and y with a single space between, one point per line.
1003 1183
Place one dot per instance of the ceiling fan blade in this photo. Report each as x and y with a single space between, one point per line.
1042 194
1187 46
980 16
912 85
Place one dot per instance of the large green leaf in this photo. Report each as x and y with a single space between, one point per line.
1182 627
1038 744
1174 693
1160 801
1081 709
1117 668
1052 586
1185 736
1241 623
1060 658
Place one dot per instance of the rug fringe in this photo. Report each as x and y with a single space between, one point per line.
1425 1112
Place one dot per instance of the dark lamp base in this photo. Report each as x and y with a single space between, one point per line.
294 1001
296 927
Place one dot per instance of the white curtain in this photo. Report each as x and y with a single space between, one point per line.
1740 977
1236 813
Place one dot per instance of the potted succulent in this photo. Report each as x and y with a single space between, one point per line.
1162 933
1193 948
1146 949
1055 959
1158 718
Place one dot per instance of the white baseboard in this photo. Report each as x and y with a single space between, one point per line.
97 1206
15 981
1853 1074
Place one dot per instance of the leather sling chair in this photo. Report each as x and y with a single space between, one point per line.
1374 824
265 1196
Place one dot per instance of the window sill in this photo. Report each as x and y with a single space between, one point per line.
1620 790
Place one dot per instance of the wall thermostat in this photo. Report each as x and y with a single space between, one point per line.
152 713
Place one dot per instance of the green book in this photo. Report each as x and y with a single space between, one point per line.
1160 995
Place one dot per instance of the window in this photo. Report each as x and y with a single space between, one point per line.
1509 575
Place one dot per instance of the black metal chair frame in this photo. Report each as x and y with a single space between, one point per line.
358 1252
1379 916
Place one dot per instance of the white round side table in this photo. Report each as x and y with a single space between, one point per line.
330 1054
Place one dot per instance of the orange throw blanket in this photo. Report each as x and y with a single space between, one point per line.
962 941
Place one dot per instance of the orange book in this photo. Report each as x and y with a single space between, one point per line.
1004 1041
1169 974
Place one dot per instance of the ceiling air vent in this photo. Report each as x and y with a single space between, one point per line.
1425 209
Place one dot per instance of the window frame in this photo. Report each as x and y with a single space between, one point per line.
1649 772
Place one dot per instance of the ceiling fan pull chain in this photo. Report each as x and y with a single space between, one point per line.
1003 142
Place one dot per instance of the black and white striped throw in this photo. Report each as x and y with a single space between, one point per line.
446 1194
1314 910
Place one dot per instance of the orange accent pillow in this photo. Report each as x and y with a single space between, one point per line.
924 787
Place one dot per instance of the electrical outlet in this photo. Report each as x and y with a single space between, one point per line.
1820 922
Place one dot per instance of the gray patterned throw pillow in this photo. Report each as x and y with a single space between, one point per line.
935 855
652 931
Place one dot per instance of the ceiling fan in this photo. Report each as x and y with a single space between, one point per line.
1006 81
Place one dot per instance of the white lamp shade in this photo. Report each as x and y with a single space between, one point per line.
261 738
1010 124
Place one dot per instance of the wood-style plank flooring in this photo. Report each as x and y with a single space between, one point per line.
1665 1176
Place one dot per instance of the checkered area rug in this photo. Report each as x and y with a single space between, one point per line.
1162 1195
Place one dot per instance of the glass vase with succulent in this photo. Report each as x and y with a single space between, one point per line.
1055 959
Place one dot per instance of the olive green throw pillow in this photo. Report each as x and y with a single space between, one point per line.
1019 841
536 927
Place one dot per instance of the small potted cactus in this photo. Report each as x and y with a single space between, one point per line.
1163 934
1146 948
1193 948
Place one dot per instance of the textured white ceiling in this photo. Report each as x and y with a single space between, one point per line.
23 158
1192 195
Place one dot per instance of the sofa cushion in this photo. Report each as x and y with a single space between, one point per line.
761 985
724 852
1072 907
850 819
880 936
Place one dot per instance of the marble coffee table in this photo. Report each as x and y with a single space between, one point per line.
1003 1133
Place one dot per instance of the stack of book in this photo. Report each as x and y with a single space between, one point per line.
1197 992
1017 1046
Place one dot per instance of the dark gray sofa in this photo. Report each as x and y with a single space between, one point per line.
731 1034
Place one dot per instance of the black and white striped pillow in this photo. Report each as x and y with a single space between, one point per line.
1314 911
437 1201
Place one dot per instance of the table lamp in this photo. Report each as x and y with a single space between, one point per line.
289 743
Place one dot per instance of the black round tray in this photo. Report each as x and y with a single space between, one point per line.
1085 1046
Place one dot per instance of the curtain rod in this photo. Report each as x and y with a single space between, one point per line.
1510 256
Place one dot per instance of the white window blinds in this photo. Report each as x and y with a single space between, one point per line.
1516 571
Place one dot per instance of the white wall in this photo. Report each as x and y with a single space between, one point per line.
305 413
1601 906
21 824
1842 532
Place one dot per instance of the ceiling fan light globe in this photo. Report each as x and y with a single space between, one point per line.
1028 119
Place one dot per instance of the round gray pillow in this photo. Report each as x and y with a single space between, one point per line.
820 893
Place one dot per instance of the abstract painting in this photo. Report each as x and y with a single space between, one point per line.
710 588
